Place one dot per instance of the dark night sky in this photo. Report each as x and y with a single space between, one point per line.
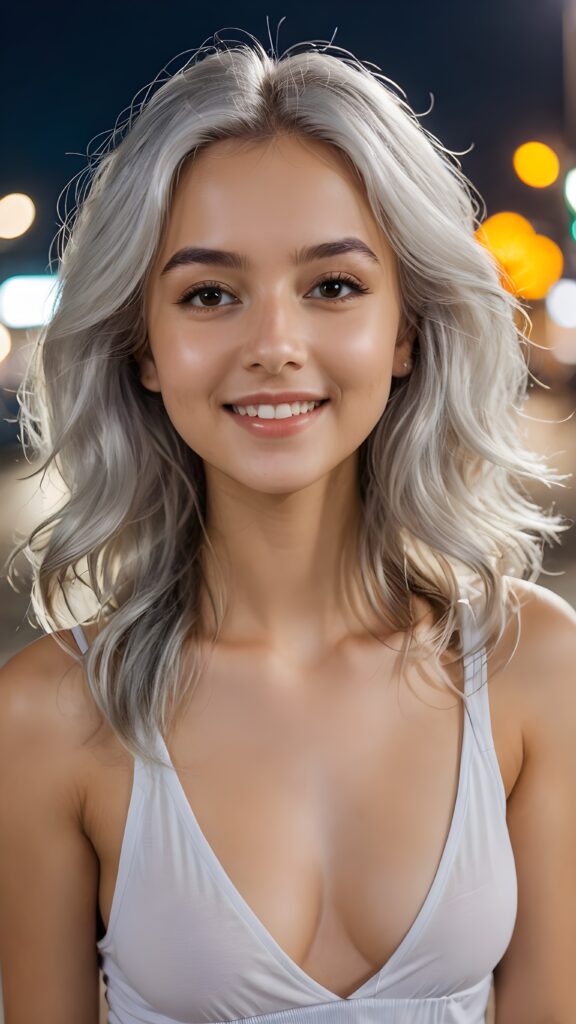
69 70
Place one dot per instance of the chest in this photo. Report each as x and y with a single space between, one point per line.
327 800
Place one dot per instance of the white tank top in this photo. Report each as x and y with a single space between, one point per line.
183 946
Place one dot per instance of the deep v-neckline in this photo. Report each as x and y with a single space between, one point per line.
251 918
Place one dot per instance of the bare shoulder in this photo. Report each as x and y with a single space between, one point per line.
43 678
534 979
48 867
544 663
46 703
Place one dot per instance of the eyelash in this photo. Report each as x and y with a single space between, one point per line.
207 285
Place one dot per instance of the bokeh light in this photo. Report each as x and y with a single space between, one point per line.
17 212
530 263
28 300
5 342
561 303
570 189
536 164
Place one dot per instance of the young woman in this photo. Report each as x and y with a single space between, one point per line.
315 760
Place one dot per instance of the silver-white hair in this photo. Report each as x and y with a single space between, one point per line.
440 475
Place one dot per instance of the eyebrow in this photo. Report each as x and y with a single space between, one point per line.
239 261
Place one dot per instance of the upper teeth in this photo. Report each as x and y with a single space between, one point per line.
276 412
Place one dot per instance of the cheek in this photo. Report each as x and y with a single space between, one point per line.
363 361
188 380
187 368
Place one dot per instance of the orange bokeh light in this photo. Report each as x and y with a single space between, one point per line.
530 264
536 164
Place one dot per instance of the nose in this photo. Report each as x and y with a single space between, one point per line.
275 338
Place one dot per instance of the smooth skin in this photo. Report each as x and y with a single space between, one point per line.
280 512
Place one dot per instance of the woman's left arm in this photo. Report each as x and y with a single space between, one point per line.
535 982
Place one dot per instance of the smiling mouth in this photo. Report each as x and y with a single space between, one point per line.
230 408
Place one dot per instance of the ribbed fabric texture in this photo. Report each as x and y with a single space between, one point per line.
183 947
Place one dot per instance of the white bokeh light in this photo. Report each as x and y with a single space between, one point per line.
561 303
28 301
17 213
570 188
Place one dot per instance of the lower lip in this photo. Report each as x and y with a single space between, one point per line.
277 428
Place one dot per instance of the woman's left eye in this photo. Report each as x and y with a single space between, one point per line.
210 287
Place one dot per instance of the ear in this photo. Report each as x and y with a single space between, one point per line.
147 370
403 351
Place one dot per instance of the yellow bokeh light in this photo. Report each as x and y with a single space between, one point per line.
536 164
529 263
498 230
17 212
537 267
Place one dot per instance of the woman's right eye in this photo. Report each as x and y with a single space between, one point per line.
205 289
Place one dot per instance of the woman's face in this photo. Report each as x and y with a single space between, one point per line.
268 322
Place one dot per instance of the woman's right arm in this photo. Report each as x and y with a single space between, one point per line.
48 867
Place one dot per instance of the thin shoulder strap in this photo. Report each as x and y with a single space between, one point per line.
139 765
475 677
78 634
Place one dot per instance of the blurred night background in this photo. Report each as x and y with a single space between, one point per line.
495 81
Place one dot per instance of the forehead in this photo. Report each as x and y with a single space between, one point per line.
294 151
236 192
287 155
